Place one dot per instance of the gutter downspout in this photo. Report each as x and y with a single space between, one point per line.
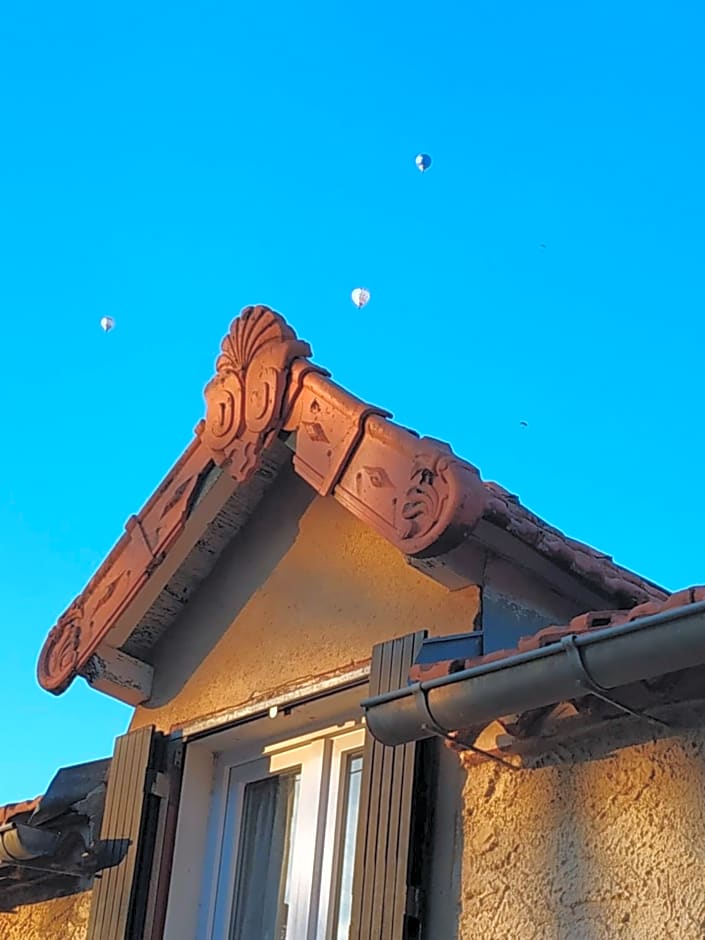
651 646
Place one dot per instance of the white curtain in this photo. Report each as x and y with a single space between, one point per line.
260 909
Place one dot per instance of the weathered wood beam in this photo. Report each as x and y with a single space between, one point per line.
116 673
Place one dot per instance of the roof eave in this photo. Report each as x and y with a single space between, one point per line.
598 661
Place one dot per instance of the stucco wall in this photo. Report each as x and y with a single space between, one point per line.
599 843
304 590
65 918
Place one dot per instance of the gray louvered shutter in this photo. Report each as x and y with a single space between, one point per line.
134 797
384 905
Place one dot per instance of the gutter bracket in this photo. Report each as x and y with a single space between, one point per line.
587 682
431 725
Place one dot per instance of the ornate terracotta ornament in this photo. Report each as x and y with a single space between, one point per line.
428 499
444 500
244 401
59 657
330 424
413 491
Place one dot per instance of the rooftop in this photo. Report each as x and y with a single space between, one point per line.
268 405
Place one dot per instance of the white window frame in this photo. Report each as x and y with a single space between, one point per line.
332 702
320 818
343 746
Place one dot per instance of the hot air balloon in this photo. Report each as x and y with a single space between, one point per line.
360 296
106 324
423 161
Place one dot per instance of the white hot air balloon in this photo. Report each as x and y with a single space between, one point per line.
360 296
423 162
106 324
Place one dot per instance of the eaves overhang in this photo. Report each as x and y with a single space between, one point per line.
596 661
266 400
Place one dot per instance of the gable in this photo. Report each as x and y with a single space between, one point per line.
304 592
270 410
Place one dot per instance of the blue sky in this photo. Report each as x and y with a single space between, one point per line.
169 164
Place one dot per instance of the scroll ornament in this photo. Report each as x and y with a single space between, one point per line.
59 657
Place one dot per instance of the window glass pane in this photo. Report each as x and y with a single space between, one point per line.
353 774
264 859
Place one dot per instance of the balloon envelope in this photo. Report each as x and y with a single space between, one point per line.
107 323
360 296
423 161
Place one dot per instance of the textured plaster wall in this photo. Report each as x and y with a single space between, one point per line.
59 919
306 589
592 846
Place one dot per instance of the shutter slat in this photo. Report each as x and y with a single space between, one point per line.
364 831
122 826
390 798
102 898
125 819
400 828
376 764
125 806
382 786
386 806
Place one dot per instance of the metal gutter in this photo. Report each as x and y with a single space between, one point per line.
596 661
20 843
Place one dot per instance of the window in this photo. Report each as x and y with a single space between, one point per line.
283 829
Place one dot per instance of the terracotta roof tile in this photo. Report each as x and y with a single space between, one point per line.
11 810
592 620
593 566
413 490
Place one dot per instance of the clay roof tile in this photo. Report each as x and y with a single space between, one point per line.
9 811
591 620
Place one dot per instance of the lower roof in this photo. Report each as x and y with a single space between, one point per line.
585 623
50 846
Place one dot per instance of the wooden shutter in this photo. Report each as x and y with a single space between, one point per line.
131 820
383 900
169 790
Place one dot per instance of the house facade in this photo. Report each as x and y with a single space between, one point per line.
374 697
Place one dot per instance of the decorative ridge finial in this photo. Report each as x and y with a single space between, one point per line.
245 399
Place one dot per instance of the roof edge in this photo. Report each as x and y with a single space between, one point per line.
586 623
599 659
414 491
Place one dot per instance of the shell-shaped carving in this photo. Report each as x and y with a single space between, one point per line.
59 656
244 401
249 335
